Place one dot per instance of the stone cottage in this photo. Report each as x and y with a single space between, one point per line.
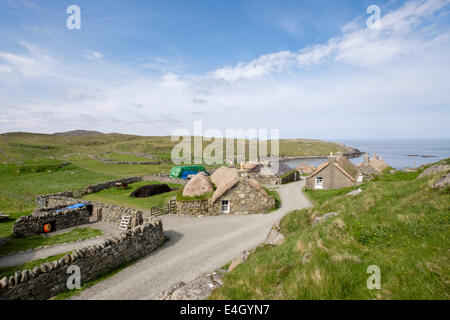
269 174
305 168
235 193
372 167
338 172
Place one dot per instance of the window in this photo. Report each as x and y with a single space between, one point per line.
319 183
225 206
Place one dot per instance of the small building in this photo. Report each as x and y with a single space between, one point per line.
338 172
372 167
235 193
270 174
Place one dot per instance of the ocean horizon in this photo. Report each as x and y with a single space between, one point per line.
398 153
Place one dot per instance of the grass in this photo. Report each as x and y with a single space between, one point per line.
276 196
20 244
122 197
19 187
9 271
398 223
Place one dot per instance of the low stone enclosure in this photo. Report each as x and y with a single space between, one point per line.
49 279
66 218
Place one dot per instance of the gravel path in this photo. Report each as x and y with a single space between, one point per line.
196 246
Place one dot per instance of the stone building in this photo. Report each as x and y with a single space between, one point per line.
268 173
372 167
235 193
338 172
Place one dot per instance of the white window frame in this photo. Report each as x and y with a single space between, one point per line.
227 204
318 185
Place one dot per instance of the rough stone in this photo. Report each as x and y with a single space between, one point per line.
444 181
275 237
240 259
354 192
324 218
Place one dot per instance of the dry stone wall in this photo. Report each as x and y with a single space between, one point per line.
34 223
49 279
194 208
114 214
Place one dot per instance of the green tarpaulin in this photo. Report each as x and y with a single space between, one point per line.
177 172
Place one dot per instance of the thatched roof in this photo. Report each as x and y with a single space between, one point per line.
199 185
224 179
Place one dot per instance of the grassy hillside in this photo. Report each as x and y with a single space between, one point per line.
29 146
398 223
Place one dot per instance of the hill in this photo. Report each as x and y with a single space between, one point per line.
398 223
78 133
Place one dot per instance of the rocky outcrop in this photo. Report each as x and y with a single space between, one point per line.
354 192
275 237
237 261
445 181
434 169
199 289
324 218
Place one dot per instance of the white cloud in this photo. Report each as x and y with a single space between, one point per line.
364 83
94 55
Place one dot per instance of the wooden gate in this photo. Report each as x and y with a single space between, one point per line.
169 207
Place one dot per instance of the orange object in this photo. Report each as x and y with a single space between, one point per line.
47 227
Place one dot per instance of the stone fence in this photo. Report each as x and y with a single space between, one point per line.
100 211
114 214
195 208
34 223
49 279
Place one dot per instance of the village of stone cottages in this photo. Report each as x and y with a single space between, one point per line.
129 234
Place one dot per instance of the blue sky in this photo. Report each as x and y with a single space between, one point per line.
309 68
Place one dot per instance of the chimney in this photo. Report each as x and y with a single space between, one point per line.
366 158
331 157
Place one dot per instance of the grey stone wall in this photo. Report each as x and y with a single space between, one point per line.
164 178
49 279
34 223
45 200
194 208
110 184
114 214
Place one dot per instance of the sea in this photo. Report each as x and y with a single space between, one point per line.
398 153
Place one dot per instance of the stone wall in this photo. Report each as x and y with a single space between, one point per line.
34 223
164 179
195 207
292 176
48 199
113 214
49 279
110 184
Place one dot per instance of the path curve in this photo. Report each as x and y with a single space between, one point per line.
196 246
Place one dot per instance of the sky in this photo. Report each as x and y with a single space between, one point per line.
312 69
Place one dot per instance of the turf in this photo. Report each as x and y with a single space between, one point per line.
398 223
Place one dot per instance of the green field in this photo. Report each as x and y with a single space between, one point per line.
33 164
398 223
122 197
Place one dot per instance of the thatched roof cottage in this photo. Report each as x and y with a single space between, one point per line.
235 193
